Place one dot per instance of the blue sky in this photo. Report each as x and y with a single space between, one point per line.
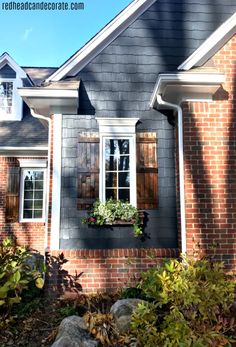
48 38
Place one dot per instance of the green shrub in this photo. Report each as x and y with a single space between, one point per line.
17 273
190 305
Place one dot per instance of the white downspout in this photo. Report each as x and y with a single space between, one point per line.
39 116
181 169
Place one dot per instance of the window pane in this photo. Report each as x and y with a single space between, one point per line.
123 146
124 194
124 180
38 175
38 214
123 163
38 184
28 214
110 146
111 163
38 194
111 193
38 204
28 185
28 194
111 179
28 204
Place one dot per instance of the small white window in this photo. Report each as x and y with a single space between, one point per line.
6 94
10 100
32 204
117 168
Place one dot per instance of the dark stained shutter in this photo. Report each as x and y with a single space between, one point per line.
88 169
147 170
12 196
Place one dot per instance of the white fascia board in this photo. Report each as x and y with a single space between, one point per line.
9 148
104 37
186 78
7 59
209 47
47 93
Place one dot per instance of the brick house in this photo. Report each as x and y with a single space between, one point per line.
160 80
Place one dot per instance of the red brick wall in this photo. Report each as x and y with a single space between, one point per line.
210 166
31 234
104 269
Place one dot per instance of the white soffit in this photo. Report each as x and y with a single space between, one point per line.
103 38
188 85
211 45
45 100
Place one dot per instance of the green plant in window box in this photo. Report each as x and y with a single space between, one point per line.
113 212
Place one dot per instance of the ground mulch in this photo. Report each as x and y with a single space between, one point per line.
38 328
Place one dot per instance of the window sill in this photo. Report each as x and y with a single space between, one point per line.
32 221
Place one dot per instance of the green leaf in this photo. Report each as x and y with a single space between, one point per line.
2 302
39 283
15 300
3 292
16 277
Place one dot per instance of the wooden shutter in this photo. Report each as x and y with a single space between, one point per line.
88 169
12 196
147 170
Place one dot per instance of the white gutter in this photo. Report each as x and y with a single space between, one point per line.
39 116
181 169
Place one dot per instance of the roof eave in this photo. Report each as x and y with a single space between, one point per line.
186 86
49 101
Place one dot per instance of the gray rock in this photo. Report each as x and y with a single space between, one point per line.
122 311
72 332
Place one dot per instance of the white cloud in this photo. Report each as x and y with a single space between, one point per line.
26 34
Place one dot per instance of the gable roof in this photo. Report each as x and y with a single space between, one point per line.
211 45
102 39
5 58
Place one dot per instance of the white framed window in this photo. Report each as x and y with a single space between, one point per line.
10 101
117 159
32 194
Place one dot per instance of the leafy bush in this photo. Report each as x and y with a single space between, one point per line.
17 273
190 305
112 210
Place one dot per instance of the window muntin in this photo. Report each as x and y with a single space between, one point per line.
32 194
6 97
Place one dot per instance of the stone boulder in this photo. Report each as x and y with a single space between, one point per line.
73 333
122 311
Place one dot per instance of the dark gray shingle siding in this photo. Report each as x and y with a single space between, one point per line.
162 223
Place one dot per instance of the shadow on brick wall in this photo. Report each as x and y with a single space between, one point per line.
58 281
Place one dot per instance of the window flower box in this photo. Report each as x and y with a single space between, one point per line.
115 213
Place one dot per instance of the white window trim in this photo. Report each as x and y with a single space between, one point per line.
31 220
17 103
122 128
33 163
